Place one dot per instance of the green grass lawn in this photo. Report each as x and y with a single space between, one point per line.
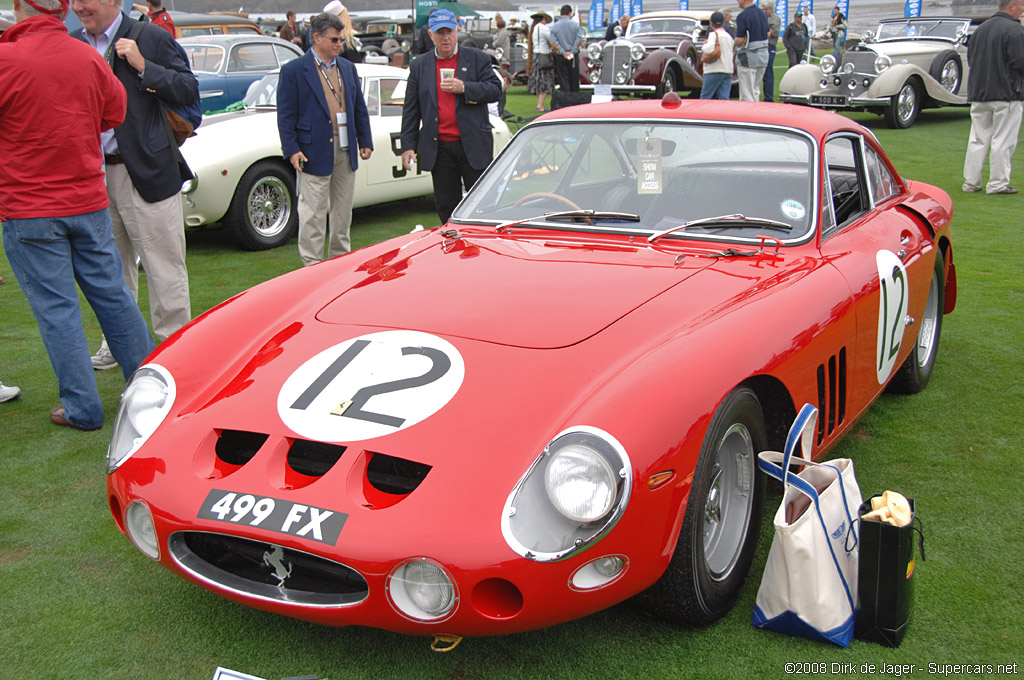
79 601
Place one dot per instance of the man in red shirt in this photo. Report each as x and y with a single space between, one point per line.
157 15
56 96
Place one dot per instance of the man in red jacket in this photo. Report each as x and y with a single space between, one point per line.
157 15
56 96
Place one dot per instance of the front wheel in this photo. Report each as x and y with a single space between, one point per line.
904 106
722 520
669 82
263 212
916 371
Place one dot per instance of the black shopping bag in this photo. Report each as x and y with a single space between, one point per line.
886 578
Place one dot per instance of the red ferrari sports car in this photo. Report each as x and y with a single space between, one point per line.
554 402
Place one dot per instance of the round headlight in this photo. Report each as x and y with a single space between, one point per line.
882 62
421 589
138 523
580 483
848 67
828 63
620 77
145 403
190 186
595 76
407 46
594 51
852 85
637 52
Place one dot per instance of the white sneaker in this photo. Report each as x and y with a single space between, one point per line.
103 359
8 393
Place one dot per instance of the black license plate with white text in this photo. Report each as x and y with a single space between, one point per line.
829 99
274 514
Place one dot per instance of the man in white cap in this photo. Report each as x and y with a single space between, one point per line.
444 120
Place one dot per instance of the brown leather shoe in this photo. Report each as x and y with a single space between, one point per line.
57 418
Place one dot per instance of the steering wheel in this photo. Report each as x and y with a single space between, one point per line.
554 197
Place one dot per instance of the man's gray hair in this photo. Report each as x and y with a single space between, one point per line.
1003 4
31 11
768 4
321 22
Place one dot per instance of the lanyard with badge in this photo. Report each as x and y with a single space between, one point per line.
342 116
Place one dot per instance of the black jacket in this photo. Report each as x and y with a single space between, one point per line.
152 159
995 54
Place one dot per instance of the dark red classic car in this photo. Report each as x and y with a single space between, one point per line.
659 53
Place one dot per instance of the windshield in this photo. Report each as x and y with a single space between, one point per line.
657 175
921 28
263 92
666 25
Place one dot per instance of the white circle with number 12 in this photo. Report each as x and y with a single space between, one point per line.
893 306
371 386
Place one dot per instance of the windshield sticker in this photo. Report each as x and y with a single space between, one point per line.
371 386
893 302
649 179
794 210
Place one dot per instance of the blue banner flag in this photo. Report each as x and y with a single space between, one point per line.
684 5
616 12
781 10
595 20
636 8
912 8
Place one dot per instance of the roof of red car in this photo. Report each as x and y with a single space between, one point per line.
815 121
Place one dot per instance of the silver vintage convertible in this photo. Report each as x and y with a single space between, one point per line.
901 67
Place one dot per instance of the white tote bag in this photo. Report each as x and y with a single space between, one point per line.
809 587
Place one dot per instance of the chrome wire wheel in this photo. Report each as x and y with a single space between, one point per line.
729 502
950 78
906 103
269 206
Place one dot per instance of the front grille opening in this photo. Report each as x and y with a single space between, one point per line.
395 476
266 570
313 459
236 447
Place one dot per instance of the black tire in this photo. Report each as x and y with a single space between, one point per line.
916 371
904 106
669 82
264 210
948 69
719 533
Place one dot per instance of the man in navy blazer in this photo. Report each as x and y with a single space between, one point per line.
447 93
325 130
144 168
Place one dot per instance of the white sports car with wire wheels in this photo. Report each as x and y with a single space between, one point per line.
901 67
243 180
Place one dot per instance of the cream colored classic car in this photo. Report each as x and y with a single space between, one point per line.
243 181
901 67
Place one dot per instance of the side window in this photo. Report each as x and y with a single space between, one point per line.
371 93
284 55
254 57
392 96
883 184
846 184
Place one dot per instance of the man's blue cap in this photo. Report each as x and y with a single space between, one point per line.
442 18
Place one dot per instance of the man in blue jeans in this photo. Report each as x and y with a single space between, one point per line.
56 96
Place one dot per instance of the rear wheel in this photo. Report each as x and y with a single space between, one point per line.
722 521
904 106
916 371
263 212
947 69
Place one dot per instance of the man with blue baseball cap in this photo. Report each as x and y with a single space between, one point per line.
445 125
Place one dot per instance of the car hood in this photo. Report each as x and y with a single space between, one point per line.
222 136
658 41
487 283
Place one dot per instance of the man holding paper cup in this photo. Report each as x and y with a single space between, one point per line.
445 123
325 130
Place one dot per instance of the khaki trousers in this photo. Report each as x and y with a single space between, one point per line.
153 233
317 195
994 130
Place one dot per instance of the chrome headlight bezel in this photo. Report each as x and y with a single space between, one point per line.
637 52
130 431
594 51
827 64
882 63
402 597
532 522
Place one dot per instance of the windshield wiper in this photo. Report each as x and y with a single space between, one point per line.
734 220
585 214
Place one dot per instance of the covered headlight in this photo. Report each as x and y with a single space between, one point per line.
637 52
882 62
145 403
421 589
189 186
828 64
571 496
594 51
138 524
580 483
